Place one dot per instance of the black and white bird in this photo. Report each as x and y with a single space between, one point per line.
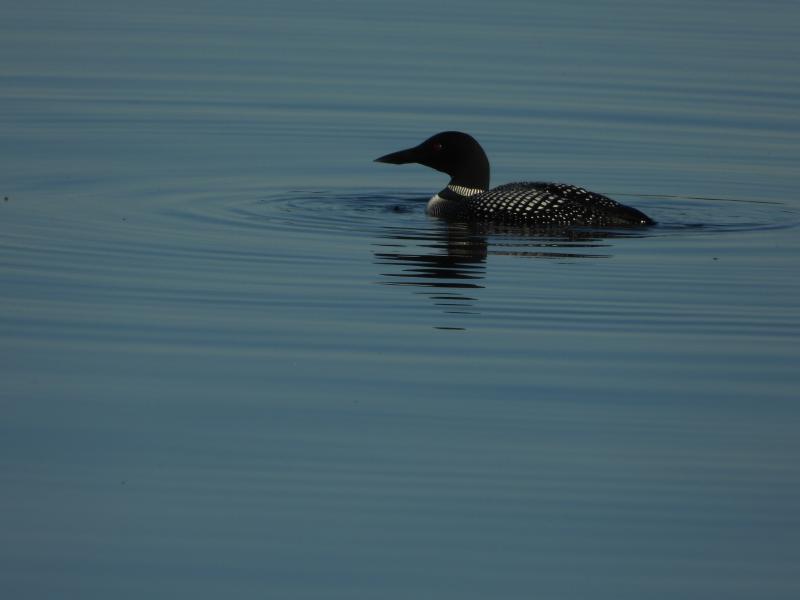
467 196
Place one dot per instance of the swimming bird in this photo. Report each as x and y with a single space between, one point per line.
468 197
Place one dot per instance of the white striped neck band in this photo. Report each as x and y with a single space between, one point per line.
464 191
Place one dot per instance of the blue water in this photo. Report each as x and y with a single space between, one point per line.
238 360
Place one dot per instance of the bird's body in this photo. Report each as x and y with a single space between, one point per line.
468 197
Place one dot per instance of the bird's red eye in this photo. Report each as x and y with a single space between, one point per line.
436 146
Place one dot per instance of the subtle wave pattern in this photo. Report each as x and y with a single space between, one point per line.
361 212
238 359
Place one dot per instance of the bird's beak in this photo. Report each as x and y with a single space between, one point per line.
401 157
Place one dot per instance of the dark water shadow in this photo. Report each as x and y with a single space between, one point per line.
448 262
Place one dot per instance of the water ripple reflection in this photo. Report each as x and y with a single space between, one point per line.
445 262
360 210
363 212
450 259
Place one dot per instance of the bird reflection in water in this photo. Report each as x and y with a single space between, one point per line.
449 260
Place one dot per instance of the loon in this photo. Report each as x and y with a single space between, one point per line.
468 196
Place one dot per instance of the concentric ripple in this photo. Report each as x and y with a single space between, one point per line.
308 211
235 221
359 212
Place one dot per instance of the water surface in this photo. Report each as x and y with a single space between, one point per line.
239 360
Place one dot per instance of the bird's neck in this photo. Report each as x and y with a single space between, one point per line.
472 173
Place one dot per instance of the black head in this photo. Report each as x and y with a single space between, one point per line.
451 152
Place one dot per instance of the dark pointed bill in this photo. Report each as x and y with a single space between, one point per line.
399 158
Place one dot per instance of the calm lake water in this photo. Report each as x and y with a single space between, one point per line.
237 360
